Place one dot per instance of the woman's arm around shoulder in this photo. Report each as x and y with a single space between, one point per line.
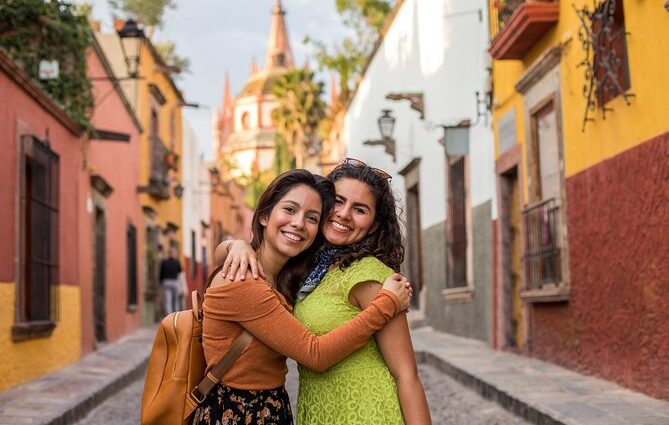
394 341
256 307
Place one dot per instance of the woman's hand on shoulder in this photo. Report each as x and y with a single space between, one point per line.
240 260
401 287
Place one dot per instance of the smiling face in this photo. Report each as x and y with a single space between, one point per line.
293 223
353 215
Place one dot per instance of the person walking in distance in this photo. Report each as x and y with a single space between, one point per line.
169 281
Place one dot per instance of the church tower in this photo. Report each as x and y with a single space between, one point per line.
244 133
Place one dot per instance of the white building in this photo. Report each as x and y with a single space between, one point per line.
433 56
196 214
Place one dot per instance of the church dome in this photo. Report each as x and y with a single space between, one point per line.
262 82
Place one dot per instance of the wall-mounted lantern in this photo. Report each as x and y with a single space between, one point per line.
131 35
456 138
178 190
386 124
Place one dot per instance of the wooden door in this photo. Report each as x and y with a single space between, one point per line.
514 325
414 242
99 273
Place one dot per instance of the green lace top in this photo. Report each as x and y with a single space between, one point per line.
360 389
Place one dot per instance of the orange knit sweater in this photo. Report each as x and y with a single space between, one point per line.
255 306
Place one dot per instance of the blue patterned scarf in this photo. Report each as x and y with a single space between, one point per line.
322 262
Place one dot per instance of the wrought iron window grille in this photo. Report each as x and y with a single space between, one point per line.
542 257
457 223
602 62
37 296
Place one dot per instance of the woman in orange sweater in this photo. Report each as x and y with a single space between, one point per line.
285 227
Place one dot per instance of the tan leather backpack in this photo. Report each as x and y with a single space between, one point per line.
175 381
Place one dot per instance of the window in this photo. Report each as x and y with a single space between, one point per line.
457 223
542 248
610 59
37 294
542 261
158 179
193 254
131 264
246 117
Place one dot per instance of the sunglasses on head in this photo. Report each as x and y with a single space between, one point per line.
357 163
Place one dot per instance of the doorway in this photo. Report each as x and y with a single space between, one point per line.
513 323
99 273
414 242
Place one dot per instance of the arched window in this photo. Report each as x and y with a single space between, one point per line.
245 120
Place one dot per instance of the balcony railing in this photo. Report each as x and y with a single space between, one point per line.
517 25
158 182
542 254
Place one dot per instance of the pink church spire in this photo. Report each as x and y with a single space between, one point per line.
279 53
227 98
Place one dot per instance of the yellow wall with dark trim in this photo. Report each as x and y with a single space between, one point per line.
169 209
624 127
27 360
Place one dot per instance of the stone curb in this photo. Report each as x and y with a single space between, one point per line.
513 404
83 407
540 392
69 394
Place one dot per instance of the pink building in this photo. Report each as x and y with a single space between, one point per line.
110 211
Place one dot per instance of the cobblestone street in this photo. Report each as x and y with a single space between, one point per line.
450 403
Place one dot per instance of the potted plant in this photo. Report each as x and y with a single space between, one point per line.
172 160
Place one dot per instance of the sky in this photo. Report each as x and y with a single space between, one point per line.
220 36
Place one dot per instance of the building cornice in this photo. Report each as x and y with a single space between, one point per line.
539 69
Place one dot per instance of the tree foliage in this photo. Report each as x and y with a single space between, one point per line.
299 112
347 57
284 159
368 13
150 12
167 51
33 30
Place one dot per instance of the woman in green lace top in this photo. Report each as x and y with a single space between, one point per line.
379 383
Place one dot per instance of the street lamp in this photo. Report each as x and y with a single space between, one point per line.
456 138
131 36
386 124
178 190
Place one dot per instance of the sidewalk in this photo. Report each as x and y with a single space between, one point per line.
540 392
68 394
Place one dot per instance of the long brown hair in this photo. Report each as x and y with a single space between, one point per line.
384 240
291 274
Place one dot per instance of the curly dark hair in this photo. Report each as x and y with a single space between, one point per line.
384 241
291 273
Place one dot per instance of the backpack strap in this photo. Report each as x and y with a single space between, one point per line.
196 296
200 392
238 346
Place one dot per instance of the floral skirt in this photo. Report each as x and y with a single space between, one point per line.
230 406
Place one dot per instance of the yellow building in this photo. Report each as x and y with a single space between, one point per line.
581 121
157 102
